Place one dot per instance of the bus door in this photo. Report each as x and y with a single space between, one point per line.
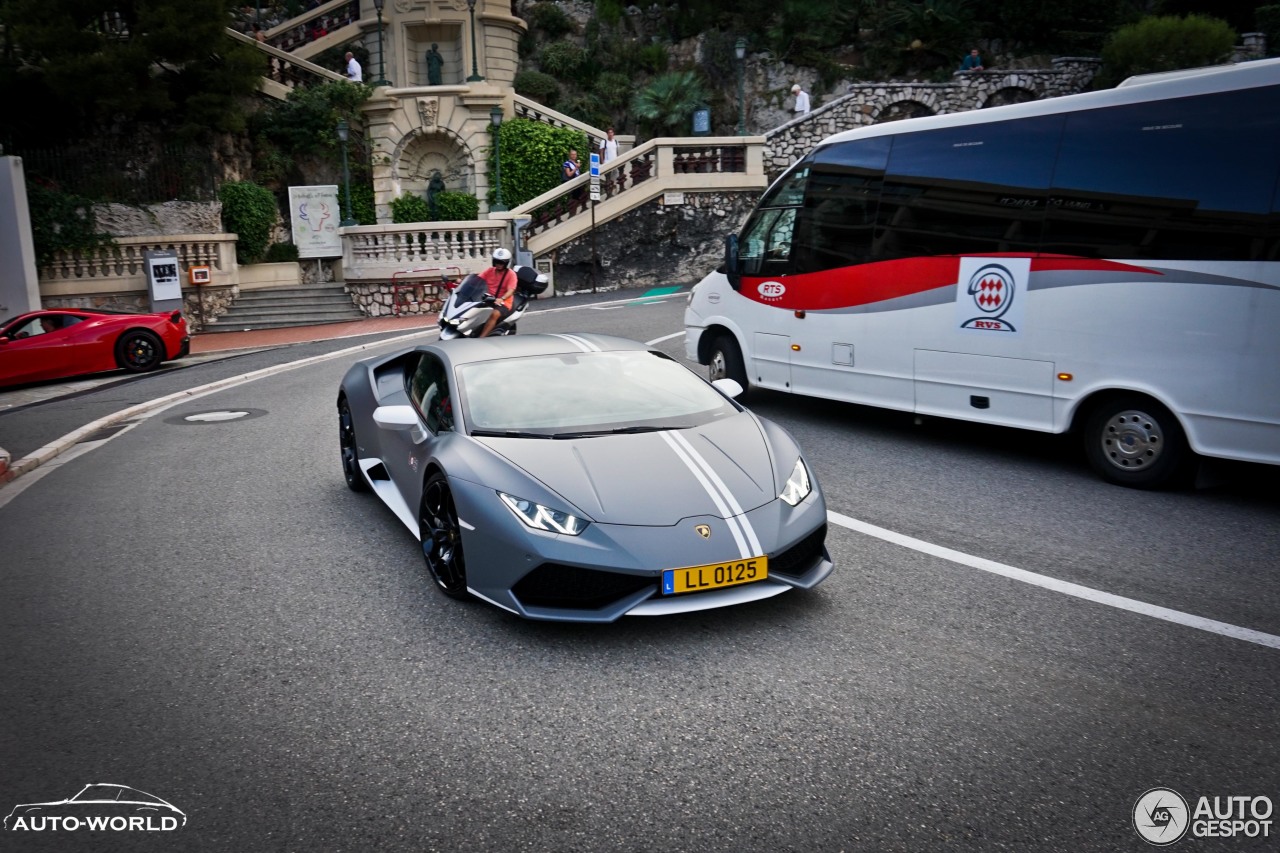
961 217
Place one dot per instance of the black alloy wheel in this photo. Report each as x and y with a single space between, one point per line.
350 452
442 537
138 351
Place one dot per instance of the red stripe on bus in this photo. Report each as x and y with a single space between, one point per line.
867 284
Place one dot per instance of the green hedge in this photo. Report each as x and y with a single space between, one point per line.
532 153
248 211
450 207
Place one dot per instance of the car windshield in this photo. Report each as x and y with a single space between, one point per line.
98 792
589 393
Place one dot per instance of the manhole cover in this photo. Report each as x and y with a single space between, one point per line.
217 416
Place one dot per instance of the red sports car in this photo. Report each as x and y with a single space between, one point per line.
62 342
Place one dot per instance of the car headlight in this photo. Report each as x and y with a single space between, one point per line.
798 485
541 517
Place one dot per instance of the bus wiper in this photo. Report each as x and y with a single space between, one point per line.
627 430
508 433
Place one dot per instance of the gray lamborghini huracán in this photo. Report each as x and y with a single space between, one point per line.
581 477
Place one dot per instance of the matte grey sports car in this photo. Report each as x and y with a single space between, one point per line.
581 477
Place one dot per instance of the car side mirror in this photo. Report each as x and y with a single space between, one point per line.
728 387
397 418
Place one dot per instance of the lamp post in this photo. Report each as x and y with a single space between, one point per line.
382 68
495 117
475 70
740 49
346 173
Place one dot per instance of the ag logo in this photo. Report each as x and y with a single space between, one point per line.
992 289
703 530
1161 817
771 291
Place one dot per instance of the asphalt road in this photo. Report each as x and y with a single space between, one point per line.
205 612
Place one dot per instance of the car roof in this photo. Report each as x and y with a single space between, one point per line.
468 350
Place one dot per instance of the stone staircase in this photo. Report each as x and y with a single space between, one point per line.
281 307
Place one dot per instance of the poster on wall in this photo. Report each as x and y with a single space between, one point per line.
314 218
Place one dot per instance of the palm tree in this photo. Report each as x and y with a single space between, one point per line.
666 105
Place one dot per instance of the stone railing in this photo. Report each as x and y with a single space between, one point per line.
693 165
313 26
870 103
376 252
115 277
282 71
122 268
524 107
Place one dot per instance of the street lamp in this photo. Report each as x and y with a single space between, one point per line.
740 49
495 117
475 71
346 173
382 68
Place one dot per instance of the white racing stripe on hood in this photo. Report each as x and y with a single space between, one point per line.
743 533
584 345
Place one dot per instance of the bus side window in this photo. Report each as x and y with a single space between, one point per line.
837 223
969 189
1184 178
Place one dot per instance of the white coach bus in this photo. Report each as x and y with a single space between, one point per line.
1107 263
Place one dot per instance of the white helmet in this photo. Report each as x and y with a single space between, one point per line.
501 256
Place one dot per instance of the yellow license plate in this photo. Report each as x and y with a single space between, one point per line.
714 576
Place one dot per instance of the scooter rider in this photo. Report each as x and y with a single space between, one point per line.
502 287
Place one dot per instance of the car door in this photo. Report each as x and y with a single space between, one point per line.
407 451
28 353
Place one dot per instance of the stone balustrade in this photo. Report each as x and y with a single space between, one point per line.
871 103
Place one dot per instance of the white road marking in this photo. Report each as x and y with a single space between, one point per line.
1054 585
657 341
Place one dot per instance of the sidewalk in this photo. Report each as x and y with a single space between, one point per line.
210 342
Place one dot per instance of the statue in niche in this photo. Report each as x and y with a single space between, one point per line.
434 187
435 65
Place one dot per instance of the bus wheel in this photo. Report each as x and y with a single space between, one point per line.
1136 442
726 361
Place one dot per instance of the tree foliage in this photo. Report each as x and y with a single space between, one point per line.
103 64
1165 43
666 105
62 222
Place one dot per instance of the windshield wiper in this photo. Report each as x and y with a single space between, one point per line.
507 433
619 431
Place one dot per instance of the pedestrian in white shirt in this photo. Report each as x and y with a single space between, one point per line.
802 100
354 72
608 147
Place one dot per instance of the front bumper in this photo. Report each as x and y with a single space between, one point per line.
613 570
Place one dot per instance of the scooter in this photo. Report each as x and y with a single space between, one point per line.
469 305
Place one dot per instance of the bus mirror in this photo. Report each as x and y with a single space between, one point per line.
731 260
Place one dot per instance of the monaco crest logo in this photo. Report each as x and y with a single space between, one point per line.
992 289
